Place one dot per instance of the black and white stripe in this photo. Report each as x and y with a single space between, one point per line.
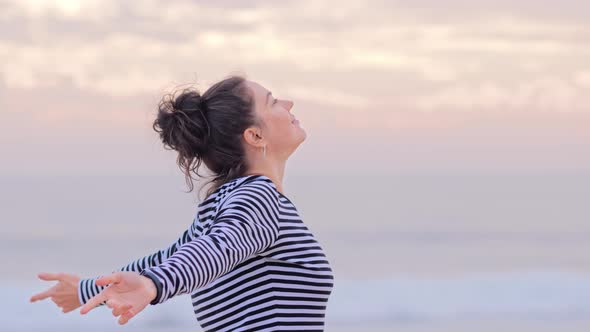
248 261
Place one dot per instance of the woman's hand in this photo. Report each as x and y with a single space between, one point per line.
128 294
64 293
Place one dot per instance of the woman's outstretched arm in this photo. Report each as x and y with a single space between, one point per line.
246 226
88 288
71 291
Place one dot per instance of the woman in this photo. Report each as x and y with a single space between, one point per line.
247 260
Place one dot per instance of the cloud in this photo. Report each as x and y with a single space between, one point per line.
542 95
502 58
87 9
323 96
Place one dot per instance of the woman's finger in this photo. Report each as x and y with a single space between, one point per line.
126 317
68 309
113 304
107 280
57 303
93 302
60 303
121 309
43 295
50 276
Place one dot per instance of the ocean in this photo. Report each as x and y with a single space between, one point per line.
409 252
547 301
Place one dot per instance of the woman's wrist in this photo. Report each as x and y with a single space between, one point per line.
153 285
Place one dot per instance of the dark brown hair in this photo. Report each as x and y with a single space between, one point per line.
208 129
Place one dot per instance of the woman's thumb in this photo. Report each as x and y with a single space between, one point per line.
114 278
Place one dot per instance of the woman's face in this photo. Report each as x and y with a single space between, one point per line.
282 132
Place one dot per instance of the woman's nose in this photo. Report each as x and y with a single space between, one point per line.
290 104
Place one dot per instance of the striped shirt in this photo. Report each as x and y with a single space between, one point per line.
248 262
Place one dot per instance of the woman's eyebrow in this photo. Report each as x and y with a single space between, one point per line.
267 95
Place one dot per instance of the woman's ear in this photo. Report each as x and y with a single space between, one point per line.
252 136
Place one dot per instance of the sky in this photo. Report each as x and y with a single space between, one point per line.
444 138
457 132
387 86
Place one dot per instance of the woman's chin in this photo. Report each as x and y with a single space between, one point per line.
304 134
302 131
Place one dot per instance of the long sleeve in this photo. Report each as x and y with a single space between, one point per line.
246 225
87 288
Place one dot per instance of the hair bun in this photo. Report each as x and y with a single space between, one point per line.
188 100
191 101
182 123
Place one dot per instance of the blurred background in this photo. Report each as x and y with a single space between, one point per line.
446 170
